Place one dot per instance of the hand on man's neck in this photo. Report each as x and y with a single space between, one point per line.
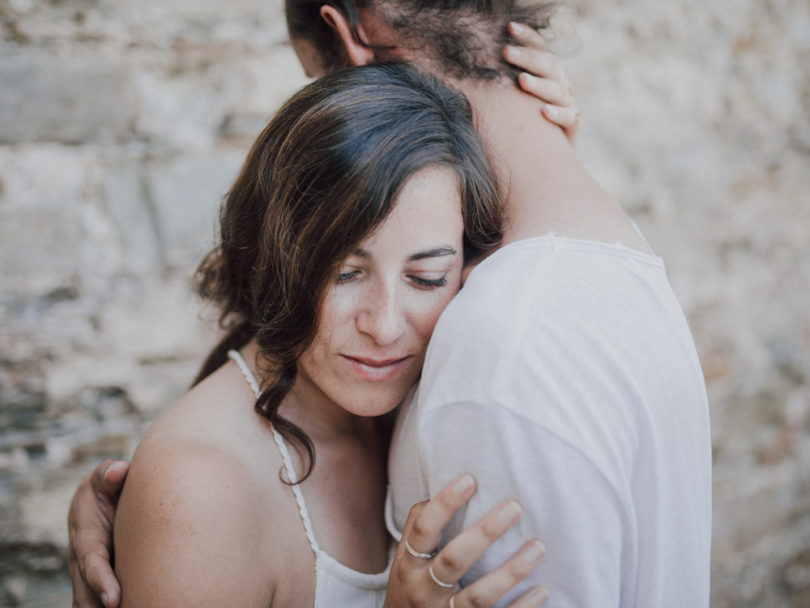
546 188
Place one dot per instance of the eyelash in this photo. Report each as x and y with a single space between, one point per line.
343 277
346 276
430 282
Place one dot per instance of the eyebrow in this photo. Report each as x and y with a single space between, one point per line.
438 252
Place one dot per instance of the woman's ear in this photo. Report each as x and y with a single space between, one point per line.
356 52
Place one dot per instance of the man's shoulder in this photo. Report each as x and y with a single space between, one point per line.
549 284
552 268
577 329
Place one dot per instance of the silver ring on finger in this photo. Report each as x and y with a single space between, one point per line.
436 580
418 554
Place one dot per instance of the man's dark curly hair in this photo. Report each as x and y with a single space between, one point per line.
461 38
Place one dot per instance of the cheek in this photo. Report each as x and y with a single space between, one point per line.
336 316
325 333
425 321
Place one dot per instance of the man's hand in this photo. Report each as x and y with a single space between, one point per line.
90 522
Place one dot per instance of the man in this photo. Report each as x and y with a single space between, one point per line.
564 374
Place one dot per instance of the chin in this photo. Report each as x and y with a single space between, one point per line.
376 404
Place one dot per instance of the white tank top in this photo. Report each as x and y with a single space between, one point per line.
336 585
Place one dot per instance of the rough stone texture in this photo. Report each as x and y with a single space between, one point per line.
122 123
45 99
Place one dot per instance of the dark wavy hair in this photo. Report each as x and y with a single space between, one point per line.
321 176
461 38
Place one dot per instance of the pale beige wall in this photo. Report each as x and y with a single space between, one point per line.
123 122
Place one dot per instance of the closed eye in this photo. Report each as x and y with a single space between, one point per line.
344 277
422 282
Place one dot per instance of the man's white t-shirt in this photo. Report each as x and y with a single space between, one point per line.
564 375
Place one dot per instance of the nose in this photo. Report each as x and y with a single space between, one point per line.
381 315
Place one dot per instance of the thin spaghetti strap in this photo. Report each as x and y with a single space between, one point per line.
237 358
289 470
299 497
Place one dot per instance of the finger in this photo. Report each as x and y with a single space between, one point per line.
531 599
83 596
564 117
567 118
464 550
538 62
546 89
108 477
487 590
95 569
525 35
426 527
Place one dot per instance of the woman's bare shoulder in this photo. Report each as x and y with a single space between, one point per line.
214 408
197 519
190 525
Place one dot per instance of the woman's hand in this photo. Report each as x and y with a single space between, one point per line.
543 77
90 521
420 578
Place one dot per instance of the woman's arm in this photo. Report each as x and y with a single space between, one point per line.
189 530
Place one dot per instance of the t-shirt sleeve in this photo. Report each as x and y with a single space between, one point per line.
569 503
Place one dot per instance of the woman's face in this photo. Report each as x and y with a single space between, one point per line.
379 313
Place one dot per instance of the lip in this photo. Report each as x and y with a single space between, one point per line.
376 370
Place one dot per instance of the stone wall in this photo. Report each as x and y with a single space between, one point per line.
122 123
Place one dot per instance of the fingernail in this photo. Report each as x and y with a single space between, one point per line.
551 111
109 468
104 598
517 28
535 552
538 597
508 514
513 51
463 484
529 79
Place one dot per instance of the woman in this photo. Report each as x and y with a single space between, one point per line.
94 503
342 241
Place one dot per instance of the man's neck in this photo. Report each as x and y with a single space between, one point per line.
545 186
